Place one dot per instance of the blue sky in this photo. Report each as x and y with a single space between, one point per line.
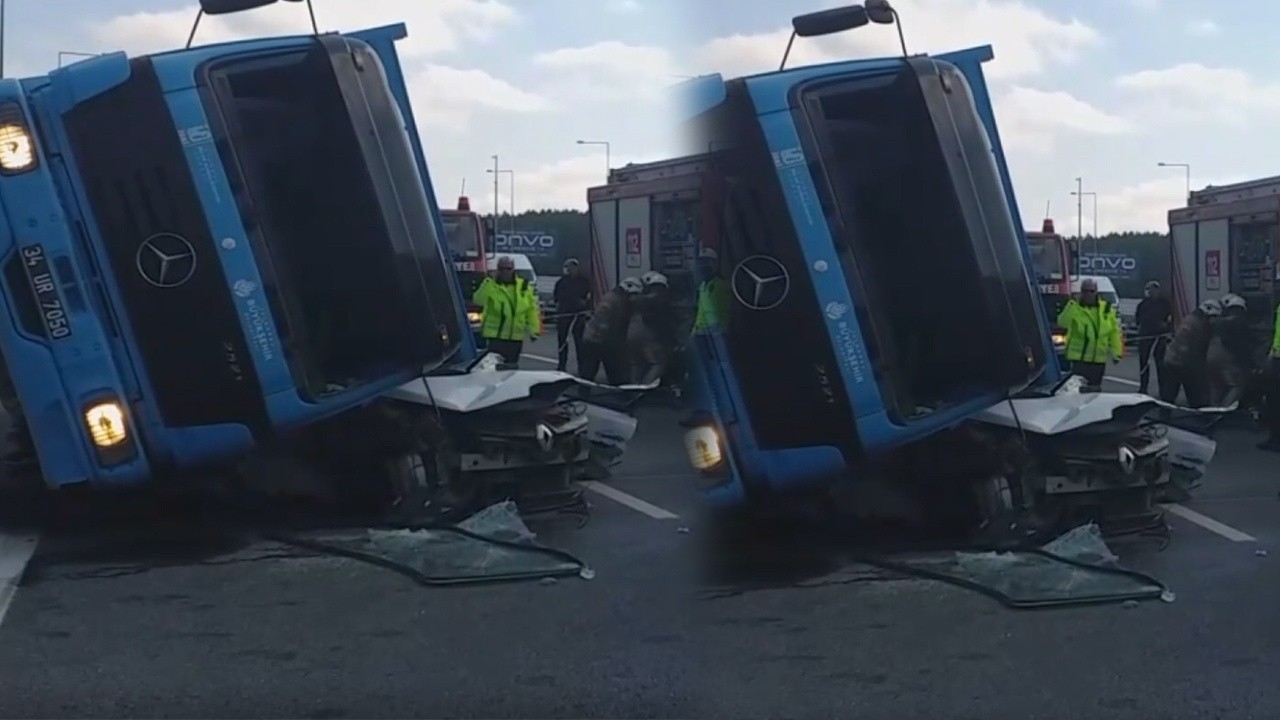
1102 89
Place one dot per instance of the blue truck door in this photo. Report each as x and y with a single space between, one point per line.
383 41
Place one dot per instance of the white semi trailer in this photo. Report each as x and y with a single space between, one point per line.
1227 240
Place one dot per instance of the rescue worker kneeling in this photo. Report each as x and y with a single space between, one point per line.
1093 335
1184 359
651 335
604 340
1229 359
510 311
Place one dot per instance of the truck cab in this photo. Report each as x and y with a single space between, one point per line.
469 239
857 323
1051 260
206 247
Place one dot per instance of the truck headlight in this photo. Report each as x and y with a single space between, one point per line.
705 449
17 148
106 425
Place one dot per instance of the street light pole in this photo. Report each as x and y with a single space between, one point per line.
1 38
608 163
495 192
1093 195
512 173
1186 167
1079 207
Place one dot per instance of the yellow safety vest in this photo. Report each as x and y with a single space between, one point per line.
509 311
1093 333
713 305
1275 337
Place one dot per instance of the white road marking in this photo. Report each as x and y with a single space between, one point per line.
630 501
15 551
1123 381
540 358
1209 523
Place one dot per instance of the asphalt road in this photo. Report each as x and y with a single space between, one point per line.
188 622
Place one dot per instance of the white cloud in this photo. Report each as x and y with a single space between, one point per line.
447 98
1026 39
612 70
1031 120
1203 28
434 27
1194 93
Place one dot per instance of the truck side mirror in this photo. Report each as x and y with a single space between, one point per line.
1073 247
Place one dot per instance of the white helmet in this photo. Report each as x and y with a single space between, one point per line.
654 278
1232 300
631 286
1211 307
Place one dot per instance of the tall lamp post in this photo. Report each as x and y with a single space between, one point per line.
1094 196
512 196
608 163
1186 167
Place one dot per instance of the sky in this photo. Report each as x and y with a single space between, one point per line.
1103 90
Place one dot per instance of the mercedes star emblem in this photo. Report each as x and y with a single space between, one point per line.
761 282
166 260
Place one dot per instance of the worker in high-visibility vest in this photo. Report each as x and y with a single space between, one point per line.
1094 336
713 293
712 315
1272 443
509 307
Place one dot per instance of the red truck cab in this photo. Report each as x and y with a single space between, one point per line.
1051 258
469 238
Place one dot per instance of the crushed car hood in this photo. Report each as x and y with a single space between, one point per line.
1070 410
478 390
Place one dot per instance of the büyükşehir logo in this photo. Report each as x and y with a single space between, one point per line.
166 260
760 282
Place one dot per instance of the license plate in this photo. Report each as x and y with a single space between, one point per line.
48 300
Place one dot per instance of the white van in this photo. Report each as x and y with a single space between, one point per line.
524 268
1106 289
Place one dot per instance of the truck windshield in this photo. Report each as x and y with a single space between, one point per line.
917 202
330 195
1047 257
462 233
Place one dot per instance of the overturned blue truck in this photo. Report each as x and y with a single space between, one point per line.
884 339
206 249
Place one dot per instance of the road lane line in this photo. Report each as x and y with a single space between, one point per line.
630 501
15 551
540 358
1209 523
1124 381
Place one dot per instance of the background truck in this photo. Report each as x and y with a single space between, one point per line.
469 238
1226 240
185 277
652 216
1052 260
